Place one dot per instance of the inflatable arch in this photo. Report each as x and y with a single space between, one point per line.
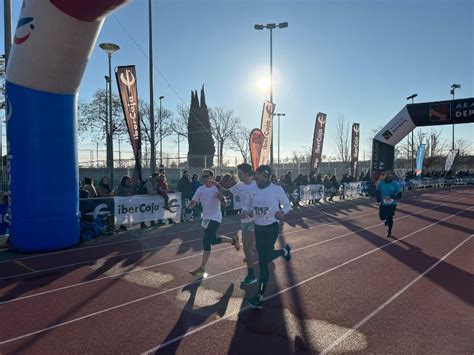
52 44
412 116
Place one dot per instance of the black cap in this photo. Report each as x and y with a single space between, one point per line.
265 170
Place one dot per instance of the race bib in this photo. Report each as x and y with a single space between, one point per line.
205 223
387 200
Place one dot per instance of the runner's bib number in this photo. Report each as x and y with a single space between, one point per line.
387 200
205 223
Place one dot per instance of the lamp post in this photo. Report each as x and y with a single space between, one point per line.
453 89
412 161
152 99
161 133
271 27
110 49
279 115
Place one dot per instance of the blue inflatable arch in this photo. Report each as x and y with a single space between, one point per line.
52 44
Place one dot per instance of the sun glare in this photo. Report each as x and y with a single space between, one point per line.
263 84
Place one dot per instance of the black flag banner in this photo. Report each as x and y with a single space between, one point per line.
127 85
355 149
318 140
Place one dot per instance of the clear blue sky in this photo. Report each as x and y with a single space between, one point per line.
357 58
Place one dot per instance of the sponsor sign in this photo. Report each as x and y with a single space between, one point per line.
127 85
257 139
318 140
311 192
353 189
355 148
136 209
266 127
396 129
450 159
119 210
420 156
92 209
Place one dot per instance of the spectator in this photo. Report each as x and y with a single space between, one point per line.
89 187
163 192
151 187
195 183
319 179
345 180
125 188
104 190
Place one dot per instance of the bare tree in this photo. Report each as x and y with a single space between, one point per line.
223 123
342 139
437 146
166 126
179 124
92 120
239 141
463 146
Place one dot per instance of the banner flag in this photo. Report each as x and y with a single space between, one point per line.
267 128
420 155
256 141
450 159
318 140
126 78
355 148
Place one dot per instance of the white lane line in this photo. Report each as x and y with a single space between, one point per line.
155 248
158 235
173 261
243 309
217 250
391 299
172 244
412 195
213 276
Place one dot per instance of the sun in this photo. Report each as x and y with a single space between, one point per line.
264 83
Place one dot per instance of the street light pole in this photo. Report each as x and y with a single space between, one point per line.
412 98
161 133
110 49
271 27
453 88
279 115
152 105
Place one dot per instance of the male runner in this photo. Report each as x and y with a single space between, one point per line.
388 192
241 191
264 202
211 200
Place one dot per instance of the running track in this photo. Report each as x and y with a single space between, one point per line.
346 289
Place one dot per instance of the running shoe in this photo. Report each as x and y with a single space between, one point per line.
255 302
287 251
236 243
389 234
249 280
198 272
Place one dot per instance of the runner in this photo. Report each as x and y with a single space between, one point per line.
264 202
388 192
211 200
240 192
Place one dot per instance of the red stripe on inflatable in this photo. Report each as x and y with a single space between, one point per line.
87 10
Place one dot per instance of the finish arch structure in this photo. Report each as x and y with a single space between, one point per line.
411 116
52 45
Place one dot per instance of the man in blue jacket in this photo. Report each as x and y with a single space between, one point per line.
388 192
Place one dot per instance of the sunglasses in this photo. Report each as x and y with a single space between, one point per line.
205 176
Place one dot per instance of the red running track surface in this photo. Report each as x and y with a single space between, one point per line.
346 289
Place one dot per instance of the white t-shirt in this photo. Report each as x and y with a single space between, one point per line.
210 204
265 203
241 192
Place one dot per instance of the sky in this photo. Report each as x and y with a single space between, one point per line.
360 59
